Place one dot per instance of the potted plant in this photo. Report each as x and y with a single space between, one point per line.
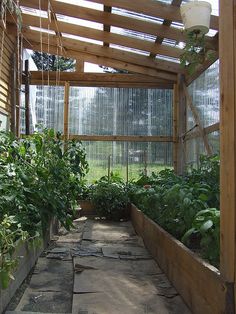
196 16
196 20
87 207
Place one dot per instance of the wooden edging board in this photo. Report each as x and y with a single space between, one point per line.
198 282
28 252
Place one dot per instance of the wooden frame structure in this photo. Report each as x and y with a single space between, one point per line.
150 64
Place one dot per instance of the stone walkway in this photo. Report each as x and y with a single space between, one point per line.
99 268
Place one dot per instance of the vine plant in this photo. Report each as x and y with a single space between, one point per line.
13 8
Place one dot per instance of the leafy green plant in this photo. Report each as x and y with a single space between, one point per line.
10 232
207 225
110 200
195 51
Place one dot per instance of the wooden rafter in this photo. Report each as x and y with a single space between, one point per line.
159 39
106 27
111 19
153 8
111 38
97 50
109 62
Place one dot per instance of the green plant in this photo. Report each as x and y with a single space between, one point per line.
110 200
10 232
207 225
13 8
195 52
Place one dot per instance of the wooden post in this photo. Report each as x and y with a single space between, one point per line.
13 95
228 138
175 127
181 126
79 66
66 110
27 104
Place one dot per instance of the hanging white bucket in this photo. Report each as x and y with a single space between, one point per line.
196 16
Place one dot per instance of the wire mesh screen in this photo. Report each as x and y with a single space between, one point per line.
205 95
214 141
46 108
194 148
120 111
133 158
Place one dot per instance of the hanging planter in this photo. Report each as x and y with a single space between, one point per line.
196 16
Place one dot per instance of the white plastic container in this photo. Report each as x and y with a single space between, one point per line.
196 16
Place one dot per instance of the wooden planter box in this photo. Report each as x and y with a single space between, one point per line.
87 208
198 282
28 253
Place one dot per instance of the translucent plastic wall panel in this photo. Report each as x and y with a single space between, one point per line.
120 111
135 156
46 108
194 148
214 141
205 95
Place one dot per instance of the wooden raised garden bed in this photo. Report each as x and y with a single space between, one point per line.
198 282
87 208
28 253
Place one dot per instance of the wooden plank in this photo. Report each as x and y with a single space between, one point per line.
153 8
79 66
197 120
175 126
66 111
122 138
108 19
132 68
93 77
199 283
181 127
107 28
228 138
212 128
99 35
98 50
27 100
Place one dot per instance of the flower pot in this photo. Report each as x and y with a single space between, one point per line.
196 16
87 207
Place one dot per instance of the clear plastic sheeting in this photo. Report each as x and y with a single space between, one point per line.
46 108
134 158
194 149
214 141
205 96
120 111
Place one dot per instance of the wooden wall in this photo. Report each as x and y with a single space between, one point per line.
7 48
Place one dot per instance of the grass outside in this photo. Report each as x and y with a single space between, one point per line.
97 169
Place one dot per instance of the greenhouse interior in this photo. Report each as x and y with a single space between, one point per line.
117 156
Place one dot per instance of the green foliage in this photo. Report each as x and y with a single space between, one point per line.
10 232
206 224
49 62
110 200
195 51
174 201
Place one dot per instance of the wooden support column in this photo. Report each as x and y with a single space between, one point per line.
66 110
27 104
13 95
79 66
175 127
228 140
180 127
197 120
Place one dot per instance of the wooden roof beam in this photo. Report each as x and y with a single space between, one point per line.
112 53
157 9
111 38
159 40
133 68
109 19
107 28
